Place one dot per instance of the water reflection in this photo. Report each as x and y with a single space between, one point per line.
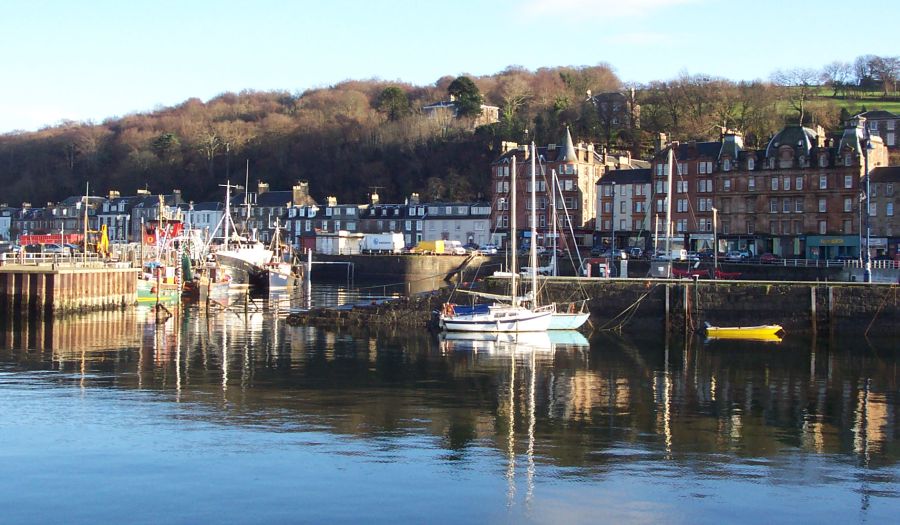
532 411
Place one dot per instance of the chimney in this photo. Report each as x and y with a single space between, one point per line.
661 140
414 199
331 200
300 193
144 192
26 205
374 198
262 187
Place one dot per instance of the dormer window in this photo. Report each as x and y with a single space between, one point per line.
848 159
726 165
823 161
751 163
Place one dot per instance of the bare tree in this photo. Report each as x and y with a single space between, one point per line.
885 70
799 86
836 74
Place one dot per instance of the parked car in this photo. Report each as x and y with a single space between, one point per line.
488 249
635 252
737 256
769 258
693 256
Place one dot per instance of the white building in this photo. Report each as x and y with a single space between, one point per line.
463 222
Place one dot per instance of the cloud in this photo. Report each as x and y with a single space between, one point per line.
601 8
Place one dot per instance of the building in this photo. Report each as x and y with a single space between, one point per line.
468 223
887 126
884 198
204 216
577 168
619 118
798 198
257 213
693 188
115 213
151 209
446 110
624 209
6 220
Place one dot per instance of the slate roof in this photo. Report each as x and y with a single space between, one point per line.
885 174
795 136
633 176
877 114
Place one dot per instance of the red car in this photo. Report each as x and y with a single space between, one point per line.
769 258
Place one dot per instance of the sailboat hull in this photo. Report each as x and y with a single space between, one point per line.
499 320
565 321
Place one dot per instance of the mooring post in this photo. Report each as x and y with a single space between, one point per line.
830 305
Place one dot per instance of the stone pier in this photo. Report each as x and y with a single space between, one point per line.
44 290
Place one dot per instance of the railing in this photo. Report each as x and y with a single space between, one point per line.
62 259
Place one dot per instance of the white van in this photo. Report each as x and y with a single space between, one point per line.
673 255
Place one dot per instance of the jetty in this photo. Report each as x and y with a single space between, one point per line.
43 287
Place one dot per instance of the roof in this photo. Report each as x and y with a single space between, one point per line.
632 176
205 206
567 153
794 136
876 114
885 174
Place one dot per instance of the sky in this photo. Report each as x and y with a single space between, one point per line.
96 59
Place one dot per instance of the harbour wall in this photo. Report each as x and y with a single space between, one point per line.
43 290
636 304
408 274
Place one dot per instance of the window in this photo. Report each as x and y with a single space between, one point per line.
725 227
606 225
823 161
639 189
351 226
702 167
751 163
889 209
798 183
773 227
774 183
786 184
568 185
622 224
681 225
726 185
798 205
622 206
750 205
822 205
848 226
873 209
823 182
682 205
659 172
786 205
726 165
848 204
751 184
889 189
848 160
638 224
571 203
798 227
660 186
640 207
751 228
848 181
773 205
682 186
823 227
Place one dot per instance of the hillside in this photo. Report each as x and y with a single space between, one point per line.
347 138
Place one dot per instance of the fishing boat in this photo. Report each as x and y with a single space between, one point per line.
150 292
500 317
764 332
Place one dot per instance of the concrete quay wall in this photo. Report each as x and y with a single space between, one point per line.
798 306
47 290
418 272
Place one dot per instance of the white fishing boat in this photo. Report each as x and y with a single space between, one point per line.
513 316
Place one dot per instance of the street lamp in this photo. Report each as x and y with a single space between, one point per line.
613 243
715 243
867 273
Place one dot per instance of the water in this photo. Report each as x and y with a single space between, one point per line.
237 417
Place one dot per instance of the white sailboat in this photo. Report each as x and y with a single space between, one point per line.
498 317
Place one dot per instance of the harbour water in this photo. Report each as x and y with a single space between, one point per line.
236 417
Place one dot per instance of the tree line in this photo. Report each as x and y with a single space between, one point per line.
358 134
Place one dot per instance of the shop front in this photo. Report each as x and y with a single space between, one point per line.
823 247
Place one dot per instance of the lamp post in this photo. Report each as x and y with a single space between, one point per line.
715 243
867 273
612 250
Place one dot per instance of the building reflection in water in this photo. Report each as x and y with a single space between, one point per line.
535 400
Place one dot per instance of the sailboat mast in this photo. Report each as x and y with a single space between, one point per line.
227 213
533 254
512 229
671 166
553 218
